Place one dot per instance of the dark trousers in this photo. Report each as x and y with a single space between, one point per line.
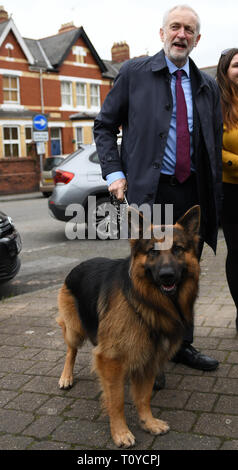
230 229
183 197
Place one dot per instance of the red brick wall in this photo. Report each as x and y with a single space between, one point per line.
30 91
52 93
17 51
19 175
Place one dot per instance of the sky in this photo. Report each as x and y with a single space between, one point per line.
135 21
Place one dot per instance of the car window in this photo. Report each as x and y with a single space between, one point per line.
52 162
94 158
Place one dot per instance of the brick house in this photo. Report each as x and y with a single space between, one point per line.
61 76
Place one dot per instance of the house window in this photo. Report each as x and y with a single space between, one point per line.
28 141
79 136
11 143
10 89
81 94
66 93
79 53
95 95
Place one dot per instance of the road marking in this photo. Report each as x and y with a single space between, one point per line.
46 247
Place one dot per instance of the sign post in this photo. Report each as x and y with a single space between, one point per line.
40 134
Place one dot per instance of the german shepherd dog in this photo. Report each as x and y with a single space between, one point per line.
134 311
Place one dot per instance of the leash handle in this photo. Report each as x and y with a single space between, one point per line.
117 202
120 206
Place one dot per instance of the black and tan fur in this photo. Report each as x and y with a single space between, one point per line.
134 312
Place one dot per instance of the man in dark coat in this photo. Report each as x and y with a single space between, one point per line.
144 102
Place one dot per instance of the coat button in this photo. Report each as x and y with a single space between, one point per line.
156 165
229 163
167 107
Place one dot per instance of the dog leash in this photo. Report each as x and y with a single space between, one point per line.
120 207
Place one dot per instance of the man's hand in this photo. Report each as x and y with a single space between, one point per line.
118 188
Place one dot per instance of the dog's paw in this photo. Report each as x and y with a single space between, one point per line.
155 426
124 438
65 382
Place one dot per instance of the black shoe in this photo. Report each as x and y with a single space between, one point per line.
189 356
159 382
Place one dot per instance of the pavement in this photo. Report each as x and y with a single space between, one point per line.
201 407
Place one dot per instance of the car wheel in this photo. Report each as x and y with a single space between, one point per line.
48 194
104 220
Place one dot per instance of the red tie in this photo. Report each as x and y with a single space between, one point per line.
183 162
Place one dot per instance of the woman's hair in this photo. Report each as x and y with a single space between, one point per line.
229 91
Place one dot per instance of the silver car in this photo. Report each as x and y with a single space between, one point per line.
46 177
77 179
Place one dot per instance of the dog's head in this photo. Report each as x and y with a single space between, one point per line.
166 257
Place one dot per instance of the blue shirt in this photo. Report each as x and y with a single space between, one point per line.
169 160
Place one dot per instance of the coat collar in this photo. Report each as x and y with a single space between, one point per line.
158 63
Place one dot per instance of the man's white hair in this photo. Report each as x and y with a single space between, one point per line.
182 7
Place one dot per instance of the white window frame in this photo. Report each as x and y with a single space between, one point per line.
12 141
81 94
28 141
66 95
11 89
95 96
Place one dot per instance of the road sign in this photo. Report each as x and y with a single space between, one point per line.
40 148
41 136
40 123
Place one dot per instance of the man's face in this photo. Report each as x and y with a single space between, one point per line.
179 35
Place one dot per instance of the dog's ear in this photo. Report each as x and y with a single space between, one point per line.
138 225
190 221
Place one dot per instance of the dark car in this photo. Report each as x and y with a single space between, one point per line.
10 247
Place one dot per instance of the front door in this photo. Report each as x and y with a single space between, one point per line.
56 148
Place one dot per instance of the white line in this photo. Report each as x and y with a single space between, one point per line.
43 248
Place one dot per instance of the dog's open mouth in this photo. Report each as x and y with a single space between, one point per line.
168 288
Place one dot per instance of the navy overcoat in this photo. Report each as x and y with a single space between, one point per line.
141 102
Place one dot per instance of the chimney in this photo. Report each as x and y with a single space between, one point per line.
66 27
120 51
3 14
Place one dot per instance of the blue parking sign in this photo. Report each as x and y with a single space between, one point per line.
40 122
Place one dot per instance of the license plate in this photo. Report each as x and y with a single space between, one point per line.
49 180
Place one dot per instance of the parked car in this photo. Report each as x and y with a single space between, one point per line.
10 247
46 178
76 178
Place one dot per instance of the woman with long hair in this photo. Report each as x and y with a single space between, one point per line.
227 79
